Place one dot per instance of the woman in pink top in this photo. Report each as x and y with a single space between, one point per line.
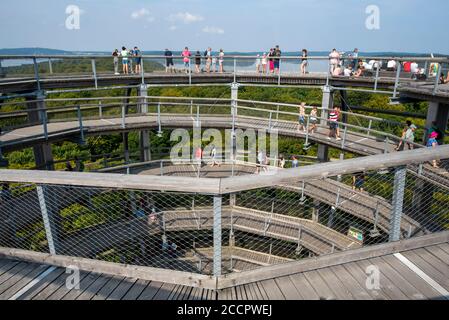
186 54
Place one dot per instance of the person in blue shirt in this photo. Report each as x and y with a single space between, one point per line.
137 60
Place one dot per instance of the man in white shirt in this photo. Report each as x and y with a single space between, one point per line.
414 68
348 71
391 65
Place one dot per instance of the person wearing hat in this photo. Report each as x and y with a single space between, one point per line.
408 136
433 143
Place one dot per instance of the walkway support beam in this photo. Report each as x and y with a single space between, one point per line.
327 103
438 113
143 101
397 203
145 146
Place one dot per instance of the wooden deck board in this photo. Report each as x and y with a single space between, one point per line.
359 274
108 288
441 278
94 288
439 253
85 283
21 279
287 288
150 291
272 290
136 290
386 286
320 287
334 283
411 277
351 284
397 279
304 287
122 289
42 284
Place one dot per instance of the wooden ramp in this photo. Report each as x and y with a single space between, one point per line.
410 270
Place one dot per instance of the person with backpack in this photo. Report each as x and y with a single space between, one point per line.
137 54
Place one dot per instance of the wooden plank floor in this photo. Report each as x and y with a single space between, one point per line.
20 280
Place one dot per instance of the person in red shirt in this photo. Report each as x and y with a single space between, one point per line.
407 66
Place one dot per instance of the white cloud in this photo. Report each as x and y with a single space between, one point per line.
213 30
185 17
142 13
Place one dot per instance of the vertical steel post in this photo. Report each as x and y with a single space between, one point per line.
159 118
48 223
269 121
44 123
217 235
369 126
377 76
344 137
36 74
397 203
123 117
396 82
94 71
235 70
80 121
50 66
142 72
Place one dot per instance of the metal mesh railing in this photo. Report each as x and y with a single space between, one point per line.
229 232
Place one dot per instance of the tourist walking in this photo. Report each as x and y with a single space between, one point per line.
295 162
358 180
197 61
313 118
355 57
408 137
124 54
333 123
258 63
221 61
130 60
138 60
213 156
116 55
264 63
208 57
169 65
281 162
302 118
433 143
304 62
271 60
277 59
186 59
334 61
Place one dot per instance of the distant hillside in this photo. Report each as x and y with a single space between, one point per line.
33 51
46 51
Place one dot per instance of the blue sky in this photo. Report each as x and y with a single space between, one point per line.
234 25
